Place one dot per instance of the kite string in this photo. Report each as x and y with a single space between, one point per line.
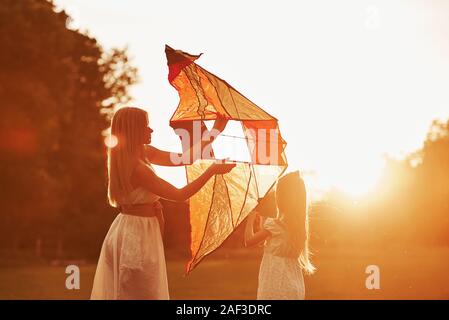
243 138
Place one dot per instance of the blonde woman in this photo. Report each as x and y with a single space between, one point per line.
132 262
286 252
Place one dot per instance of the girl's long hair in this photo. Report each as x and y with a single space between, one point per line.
291 199
128 127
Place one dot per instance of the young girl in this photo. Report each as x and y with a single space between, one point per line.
286 254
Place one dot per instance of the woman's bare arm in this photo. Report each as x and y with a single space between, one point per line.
172 159
144 177
161 157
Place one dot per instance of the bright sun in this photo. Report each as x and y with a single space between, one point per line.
354 179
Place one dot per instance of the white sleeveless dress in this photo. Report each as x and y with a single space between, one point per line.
132 260
280 273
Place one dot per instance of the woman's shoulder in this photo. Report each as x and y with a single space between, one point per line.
146 164
139 182
141 172
142 167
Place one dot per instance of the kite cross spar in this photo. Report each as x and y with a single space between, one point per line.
225 201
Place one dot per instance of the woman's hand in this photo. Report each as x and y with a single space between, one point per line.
220 123
221 168
147 179
157 206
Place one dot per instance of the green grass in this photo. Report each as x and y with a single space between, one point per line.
419 274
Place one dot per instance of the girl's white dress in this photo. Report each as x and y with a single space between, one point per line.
280 274
132 260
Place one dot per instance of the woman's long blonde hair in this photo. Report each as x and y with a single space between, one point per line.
128 127
291 200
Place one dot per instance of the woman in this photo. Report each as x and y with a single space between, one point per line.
132 261
286 252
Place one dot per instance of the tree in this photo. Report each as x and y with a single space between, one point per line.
57 87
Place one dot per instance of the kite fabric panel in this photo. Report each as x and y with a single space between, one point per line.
225 200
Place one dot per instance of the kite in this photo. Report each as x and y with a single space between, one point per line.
255 145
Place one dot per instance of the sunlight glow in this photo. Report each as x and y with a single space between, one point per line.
111 141
348 84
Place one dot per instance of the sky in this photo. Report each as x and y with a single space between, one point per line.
349 81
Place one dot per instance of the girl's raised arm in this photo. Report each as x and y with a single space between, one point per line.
251 238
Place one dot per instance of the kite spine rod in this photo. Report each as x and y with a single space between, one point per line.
252 139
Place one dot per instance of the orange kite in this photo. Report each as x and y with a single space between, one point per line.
225 201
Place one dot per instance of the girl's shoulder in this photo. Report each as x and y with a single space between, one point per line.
274 226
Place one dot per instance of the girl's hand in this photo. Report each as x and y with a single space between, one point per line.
254 238
252 216
261 222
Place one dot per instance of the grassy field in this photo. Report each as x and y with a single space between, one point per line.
418 274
